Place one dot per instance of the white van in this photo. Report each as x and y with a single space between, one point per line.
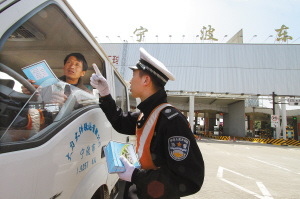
50 150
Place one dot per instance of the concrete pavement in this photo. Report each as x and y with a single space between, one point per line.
244 169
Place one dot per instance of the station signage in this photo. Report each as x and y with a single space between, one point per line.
294 101
274 121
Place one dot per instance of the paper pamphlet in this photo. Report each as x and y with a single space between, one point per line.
39 72
114 150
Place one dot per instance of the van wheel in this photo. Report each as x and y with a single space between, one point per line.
101 193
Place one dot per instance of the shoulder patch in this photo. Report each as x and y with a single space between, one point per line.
170 112
178 147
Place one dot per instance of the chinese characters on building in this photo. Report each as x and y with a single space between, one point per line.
207 34
114 59
139 32
282 34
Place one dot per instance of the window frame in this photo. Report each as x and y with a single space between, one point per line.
119 81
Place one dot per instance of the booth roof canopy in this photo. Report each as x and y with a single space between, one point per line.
253 69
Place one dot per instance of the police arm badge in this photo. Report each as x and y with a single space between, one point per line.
178 147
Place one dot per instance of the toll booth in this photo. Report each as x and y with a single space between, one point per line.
216 130
263 134
221 129
289 132
196 129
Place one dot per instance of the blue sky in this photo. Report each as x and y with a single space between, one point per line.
115 18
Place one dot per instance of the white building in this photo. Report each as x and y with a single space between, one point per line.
218 78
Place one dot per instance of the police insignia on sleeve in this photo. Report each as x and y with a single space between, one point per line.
178 147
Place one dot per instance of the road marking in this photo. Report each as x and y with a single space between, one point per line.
220 173
243 189
219 140
270 164
263 189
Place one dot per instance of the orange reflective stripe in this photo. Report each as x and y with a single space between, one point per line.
42 120
29 125
144 137
146 160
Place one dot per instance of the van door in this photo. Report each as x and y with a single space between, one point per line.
49 149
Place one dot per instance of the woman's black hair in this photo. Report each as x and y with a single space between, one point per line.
79 57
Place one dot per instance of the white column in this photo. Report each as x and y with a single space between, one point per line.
277 112
284 119
191 112
185 113
218 121
298 128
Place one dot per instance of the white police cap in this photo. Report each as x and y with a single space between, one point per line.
152 65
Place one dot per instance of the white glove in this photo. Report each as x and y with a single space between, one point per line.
99 82
129 168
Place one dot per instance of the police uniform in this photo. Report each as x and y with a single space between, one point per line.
172 164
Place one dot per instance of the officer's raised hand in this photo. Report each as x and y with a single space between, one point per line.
129 168
99 82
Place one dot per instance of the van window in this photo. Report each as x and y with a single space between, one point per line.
48 35
121 94
44 109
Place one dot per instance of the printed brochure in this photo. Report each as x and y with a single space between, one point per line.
39 72
114 150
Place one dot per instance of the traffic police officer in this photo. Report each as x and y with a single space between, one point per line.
172 164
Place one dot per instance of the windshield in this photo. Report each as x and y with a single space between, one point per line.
53 101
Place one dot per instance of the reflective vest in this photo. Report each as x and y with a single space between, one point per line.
144 137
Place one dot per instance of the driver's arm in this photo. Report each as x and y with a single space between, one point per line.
55 97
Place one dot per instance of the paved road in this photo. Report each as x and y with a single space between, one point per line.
242 169
245 169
